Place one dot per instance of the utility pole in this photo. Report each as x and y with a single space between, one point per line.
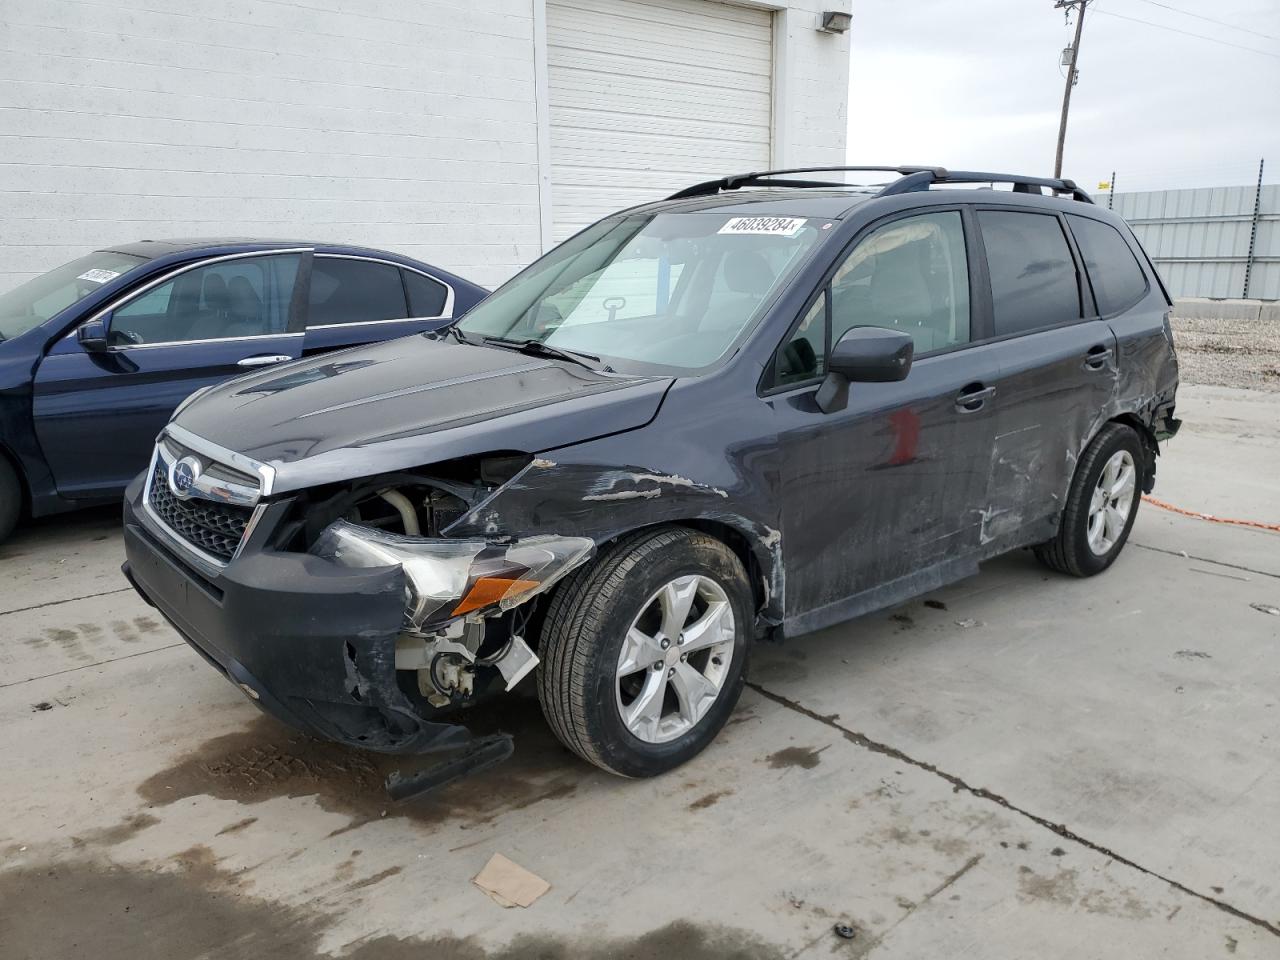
1079 6
1253 230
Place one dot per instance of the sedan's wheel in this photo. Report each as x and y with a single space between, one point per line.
10 498
643 653
1101 505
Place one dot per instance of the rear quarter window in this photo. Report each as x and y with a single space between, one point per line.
1033 275
1117 277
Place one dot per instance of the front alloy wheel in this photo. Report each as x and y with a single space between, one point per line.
675 659
643 653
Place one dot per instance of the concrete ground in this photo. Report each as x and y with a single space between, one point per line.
1021 765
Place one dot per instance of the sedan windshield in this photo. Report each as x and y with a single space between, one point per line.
31 304
672 290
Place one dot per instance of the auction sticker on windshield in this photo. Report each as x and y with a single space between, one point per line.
777 226
98 276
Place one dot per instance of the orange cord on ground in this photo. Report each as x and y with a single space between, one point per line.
1274 527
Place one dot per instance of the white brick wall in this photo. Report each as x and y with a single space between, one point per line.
404 124
812 86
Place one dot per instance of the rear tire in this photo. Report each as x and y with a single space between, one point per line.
1101 505
644 653
10 498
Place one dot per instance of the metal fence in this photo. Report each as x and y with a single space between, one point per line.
1207 242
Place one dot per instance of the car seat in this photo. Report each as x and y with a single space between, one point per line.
244 310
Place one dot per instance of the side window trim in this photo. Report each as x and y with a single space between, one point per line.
136 292
446 312
1084 283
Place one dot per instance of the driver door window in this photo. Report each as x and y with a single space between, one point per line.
246 297
910 275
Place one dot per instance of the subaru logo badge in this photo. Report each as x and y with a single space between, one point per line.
183 475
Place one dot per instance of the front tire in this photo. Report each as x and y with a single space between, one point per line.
643 654
1101 505
10 498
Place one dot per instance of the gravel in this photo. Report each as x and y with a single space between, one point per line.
1229 353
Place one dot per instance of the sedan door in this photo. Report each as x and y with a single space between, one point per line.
97 411
884 498
354 300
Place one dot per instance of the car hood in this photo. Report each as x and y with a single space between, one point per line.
411 402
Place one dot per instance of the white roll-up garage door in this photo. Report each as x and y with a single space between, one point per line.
647 96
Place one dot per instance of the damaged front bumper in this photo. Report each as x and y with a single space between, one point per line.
312 638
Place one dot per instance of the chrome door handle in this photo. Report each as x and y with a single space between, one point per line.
264 360
969 401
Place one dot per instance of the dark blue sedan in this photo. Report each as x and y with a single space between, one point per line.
96 354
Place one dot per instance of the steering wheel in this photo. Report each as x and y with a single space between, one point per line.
613 305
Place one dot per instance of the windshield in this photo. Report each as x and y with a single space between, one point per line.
35 301
668 290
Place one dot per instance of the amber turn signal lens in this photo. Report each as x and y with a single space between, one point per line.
489 590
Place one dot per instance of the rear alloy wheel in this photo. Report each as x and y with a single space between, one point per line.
1111 503
643 653
1101 505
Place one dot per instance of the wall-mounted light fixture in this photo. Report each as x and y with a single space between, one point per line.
833 22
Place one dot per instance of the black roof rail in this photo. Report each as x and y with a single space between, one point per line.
1020 183
763 178
910 179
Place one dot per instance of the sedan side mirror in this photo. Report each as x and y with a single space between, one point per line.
92 336
864 355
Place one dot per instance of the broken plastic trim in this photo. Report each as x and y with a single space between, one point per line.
449 578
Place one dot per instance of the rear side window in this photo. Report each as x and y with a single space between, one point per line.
426 296
354 291
1117 278
1033 277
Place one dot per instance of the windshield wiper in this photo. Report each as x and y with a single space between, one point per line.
457 334
546 350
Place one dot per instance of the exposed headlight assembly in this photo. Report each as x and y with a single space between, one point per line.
445 579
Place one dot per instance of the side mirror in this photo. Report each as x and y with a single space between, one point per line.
864 355
93 336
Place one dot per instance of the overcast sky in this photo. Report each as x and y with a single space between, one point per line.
977 84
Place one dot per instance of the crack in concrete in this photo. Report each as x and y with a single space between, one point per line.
87 666
1061 829
1192 556
54 603
968 865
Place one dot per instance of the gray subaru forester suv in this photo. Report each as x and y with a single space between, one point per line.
765 405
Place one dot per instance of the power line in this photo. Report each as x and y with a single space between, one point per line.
1188 33
1221 23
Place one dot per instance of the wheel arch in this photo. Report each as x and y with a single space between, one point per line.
759 552
1150 448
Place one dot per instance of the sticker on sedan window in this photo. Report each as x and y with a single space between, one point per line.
98 276
777 226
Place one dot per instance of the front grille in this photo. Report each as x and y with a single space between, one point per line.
215 528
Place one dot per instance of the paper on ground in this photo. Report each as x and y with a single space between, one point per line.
508 883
